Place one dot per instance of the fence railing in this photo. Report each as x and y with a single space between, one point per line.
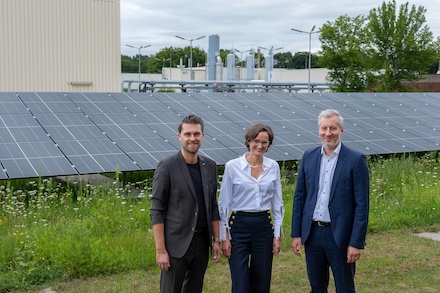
220 86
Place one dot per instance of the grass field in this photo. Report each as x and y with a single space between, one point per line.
393 261
85 238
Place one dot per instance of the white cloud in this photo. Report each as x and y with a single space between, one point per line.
243 24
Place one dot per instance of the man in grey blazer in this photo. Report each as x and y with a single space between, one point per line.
330 208
184 212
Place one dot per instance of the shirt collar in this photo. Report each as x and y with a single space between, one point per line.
244 163
335 152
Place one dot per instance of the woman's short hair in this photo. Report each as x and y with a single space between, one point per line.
253 131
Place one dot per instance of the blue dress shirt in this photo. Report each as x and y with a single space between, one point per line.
326 172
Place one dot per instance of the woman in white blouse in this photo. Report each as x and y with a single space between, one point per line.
250 192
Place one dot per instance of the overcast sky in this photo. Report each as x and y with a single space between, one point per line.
241 24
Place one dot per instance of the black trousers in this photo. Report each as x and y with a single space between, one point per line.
186 274
251 252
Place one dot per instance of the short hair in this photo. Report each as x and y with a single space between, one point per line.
191 119
253 131
328 113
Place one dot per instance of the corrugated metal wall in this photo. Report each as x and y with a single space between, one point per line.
60 45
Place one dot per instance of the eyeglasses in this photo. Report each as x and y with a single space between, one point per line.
263 142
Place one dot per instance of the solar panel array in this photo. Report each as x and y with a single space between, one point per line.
50 134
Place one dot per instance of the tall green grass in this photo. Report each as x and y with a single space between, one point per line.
405 192
50 231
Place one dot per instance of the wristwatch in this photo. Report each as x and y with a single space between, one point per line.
216 239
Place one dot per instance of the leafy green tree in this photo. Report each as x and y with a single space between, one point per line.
154 65
298 61
167 54
128 65
171 56
145 59
283 60
379 51
345 53
199 56
166 57
433 68
223 54
131 64
301 60
401 42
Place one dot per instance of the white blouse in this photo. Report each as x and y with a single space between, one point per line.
240 191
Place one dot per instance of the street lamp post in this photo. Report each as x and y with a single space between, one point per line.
190 52
270 51
310 49
269 62
139 48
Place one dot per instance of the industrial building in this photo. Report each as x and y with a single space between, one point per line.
60 45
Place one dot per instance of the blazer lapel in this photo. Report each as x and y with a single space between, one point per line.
339 166
317 167
205 182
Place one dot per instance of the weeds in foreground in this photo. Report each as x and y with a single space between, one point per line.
50 231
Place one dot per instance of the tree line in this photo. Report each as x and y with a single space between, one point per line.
376 52
170 57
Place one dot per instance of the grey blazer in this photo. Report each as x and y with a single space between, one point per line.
174 201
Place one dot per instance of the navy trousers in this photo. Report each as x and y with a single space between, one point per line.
251 252
186 274
322 253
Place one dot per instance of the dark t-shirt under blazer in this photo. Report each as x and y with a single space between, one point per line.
174 201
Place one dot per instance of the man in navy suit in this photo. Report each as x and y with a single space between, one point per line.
330 208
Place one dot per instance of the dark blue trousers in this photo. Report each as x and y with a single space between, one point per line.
251 252
322 253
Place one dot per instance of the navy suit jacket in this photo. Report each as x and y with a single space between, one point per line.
349 197
174 201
